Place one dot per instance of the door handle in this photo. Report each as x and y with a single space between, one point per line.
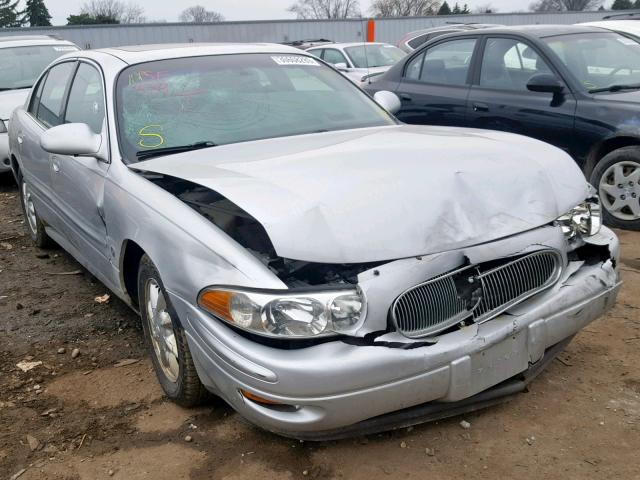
55 164
404 96
480 107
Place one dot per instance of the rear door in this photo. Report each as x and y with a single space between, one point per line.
500 100
435 83
45 111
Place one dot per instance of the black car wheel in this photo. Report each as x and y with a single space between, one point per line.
32 221
617 178
167 341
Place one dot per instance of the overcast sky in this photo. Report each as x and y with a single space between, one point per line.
241 9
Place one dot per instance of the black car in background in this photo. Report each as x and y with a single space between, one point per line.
575 87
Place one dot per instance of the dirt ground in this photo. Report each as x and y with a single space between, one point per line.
102 414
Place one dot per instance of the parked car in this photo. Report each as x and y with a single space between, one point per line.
22 60
575 87
295 250
629 28
362 62
413 40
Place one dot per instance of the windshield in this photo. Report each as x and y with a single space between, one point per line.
21 66
235 98
599 60
372 56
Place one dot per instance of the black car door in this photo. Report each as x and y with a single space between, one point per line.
435 83
499 98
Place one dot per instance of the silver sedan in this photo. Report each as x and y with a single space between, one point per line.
294 249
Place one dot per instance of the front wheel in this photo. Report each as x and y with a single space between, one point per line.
617 178
166 340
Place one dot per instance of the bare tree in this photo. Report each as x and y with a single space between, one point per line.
114 9
319 9
564 5
199 14
486 8
404 8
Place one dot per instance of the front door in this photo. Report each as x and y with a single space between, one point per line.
78 182
500 100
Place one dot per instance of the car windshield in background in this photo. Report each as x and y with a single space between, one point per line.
371 56
600 61
21 66
226 99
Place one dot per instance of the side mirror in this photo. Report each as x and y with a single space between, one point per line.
545 83
341 66
388 100
71 139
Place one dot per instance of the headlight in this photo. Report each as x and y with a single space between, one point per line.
584 220
286 314
3 127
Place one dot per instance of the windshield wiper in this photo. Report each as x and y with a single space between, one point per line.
158 152
615 88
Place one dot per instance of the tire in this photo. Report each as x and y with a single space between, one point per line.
166 340
32 222
617 179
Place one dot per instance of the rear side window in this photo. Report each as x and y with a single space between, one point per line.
444 64
86 99
52 98
35 99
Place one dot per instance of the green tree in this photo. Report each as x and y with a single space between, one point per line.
637 4
36 14
8 14
86 19
460 11
445 9
622 5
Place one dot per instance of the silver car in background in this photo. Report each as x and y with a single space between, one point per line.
294 249
22 60
361 62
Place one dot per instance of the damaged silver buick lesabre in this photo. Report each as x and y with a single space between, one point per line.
294 249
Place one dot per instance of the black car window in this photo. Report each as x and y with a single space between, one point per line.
509 65
86 99
35 98
51 101
333 56
445 64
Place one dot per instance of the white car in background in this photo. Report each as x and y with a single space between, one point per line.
361 62
22 60
629 28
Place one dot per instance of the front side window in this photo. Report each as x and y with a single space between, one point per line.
21 66
333 56
35 98
599 60
372 56
235 98
52 98
444 64
509 65
86 99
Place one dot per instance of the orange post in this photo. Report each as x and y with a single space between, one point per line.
371 30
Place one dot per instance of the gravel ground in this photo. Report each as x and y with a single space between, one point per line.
100 413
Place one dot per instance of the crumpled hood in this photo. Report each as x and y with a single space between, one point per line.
10 100
385 193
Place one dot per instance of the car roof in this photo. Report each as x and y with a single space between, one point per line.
632 25
350 44
9 41
143 53
532 31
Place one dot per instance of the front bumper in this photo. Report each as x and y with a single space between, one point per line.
337 389
5 164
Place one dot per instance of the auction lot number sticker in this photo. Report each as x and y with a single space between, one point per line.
295 60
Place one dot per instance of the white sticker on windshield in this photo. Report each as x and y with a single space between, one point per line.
295 60
65 49
627 41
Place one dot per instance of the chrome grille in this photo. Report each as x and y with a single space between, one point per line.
477 293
